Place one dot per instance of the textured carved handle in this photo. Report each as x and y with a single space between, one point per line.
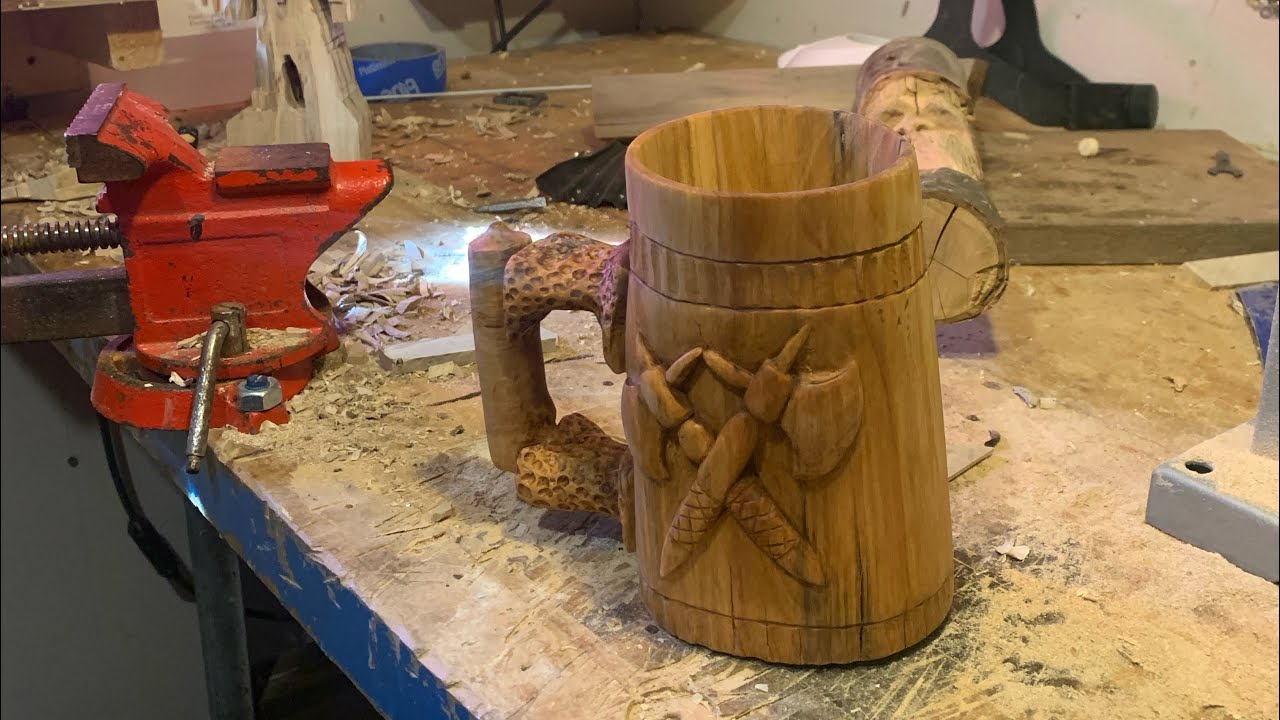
515 283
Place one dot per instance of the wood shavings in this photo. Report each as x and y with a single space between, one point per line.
362 247
1177 382
338 372
439 158
1026 396
1127 655
176 379
372 290
495 123
440 513
85 207
190 342
403 306
256 338
1017 552
449 311
455 197
389 329
447 369
479 121
368 338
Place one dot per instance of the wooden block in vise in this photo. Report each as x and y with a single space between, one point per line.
421 355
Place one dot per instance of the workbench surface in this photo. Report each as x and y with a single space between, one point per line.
378 519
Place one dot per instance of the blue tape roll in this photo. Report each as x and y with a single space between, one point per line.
399 68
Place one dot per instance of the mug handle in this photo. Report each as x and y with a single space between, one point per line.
515 283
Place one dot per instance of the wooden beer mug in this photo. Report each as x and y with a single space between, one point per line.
785 485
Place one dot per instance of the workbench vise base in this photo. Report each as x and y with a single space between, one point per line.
125 391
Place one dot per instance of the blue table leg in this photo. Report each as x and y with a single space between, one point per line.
215 571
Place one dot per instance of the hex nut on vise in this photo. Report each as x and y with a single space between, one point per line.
258 393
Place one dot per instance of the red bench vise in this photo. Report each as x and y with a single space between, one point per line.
216 258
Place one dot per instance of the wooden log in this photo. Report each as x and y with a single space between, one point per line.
918 87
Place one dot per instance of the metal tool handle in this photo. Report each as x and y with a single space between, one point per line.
206 383
226 336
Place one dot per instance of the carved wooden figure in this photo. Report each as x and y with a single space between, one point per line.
306 88
918 87
784 485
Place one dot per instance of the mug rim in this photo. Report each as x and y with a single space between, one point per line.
634 164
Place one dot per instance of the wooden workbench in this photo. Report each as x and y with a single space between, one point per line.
377 518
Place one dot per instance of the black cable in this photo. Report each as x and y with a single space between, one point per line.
150 542
153 546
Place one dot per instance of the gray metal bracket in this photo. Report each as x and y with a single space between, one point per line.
1223 494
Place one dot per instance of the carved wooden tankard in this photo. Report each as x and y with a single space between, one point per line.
784 485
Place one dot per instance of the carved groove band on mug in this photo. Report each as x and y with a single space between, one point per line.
801 644
943 591
844 280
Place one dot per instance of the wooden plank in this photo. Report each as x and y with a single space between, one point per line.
121 36
1145 198
1237 270
627 105
422 355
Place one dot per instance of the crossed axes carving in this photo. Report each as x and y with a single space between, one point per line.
721 482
